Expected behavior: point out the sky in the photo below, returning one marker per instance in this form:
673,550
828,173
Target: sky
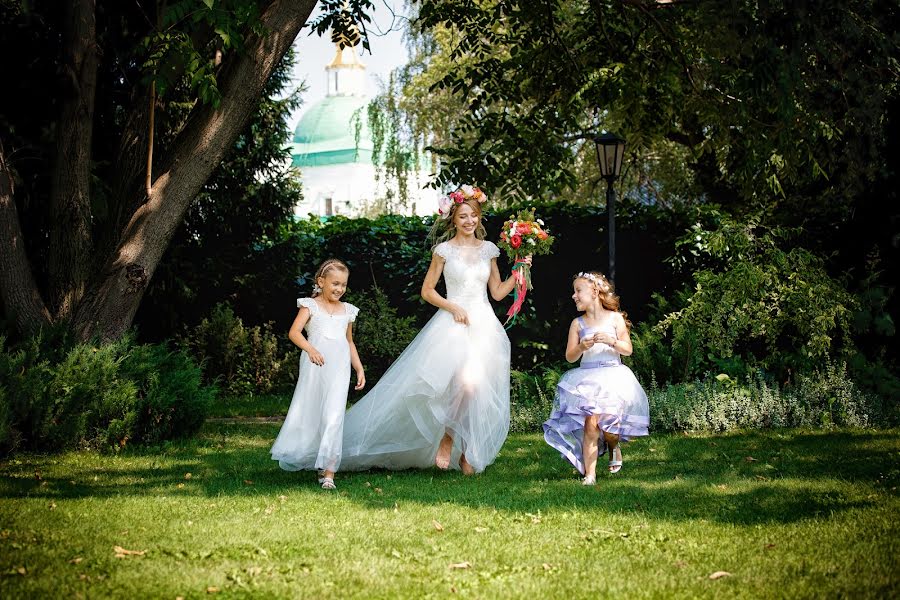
314,52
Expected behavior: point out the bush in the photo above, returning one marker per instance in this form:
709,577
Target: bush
824,398
242,360
531,399
379,333
59,394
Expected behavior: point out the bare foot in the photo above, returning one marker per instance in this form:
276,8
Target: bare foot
442,460
467,469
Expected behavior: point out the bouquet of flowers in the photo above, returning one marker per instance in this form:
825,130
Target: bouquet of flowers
522,236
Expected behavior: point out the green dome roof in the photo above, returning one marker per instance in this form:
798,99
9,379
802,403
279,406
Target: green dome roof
326,135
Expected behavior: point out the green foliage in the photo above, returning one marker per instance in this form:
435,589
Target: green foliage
756,96
379,333
754,305
822,398
226,240
58,394
531,398
242,360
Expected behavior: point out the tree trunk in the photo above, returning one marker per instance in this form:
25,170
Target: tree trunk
21,299
109,305
70,203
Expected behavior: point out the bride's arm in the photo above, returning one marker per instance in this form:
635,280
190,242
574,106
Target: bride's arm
430,295
500,290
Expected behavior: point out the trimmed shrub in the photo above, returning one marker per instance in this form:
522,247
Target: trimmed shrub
58,394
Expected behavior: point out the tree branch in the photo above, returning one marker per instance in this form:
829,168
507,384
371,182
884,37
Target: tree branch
21,298
209,133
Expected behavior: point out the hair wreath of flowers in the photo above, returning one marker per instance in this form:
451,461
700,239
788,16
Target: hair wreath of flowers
465,192
598,281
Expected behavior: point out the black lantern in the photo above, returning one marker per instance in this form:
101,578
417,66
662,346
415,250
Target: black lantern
610,152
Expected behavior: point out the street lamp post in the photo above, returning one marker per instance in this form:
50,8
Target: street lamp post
610,151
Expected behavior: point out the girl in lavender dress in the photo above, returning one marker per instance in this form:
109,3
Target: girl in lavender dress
601,403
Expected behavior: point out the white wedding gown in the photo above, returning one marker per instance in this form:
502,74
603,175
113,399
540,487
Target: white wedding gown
451,377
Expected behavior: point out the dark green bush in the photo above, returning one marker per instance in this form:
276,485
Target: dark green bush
60,394
379,333
242,360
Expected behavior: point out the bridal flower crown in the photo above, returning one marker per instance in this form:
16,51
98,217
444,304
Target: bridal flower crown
465,192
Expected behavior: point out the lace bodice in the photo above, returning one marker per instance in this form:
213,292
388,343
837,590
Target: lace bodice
322,323
466,270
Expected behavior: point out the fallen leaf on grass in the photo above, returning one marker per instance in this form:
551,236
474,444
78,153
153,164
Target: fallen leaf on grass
769,546
463,565
437,525
212,590
122,552
722,486
282,498
254,571
21,571
187,475
76,560
749,459
247,482
547,567
395,553
720,574
680,564
180,486
378,490
52,505
480,529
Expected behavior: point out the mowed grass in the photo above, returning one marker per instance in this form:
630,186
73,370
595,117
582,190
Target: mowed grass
786,514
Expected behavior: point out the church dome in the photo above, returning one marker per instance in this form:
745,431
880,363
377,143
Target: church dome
326,135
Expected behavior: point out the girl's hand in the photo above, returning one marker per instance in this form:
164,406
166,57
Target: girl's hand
605,338
315,357
526,260
587,343
360,380
459,315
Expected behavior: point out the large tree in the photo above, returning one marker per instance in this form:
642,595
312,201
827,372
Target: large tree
123,112
762,101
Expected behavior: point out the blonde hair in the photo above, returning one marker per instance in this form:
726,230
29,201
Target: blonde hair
605,292
443,228
332,264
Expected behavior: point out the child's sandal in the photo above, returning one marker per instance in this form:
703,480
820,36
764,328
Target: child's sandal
328,483
615,465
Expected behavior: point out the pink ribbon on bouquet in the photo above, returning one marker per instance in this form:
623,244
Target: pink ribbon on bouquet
519,291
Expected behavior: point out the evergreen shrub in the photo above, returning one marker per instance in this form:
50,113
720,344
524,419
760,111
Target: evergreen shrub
58,394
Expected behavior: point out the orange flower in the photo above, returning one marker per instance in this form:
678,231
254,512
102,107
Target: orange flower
542,235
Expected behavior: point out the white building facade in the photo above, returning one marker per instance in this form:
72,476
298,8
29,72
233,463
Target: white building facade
339,177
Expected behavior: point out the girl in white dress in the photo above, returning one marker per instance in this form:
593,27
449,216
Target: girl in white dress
600,404
445,400
312,433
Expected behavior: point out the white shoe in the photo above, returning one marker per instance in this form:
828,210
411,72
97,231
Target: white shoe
615,465
591,480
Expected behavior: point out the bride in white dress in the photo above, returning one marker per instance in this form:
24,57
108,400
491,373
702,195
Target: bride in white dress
445,400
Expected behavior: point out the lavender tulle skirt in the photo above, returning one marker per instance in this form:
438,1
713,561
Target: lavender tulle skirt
606,388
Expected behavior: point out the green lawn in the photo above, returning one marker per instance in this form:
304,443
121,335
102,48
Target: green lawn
786,514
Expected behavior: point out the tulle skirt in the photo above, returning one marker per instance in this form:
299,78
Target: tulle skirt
311,435
605,388
451,378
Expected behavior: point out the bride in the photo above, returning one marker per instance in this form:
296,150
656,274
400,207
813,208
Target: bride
445,400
